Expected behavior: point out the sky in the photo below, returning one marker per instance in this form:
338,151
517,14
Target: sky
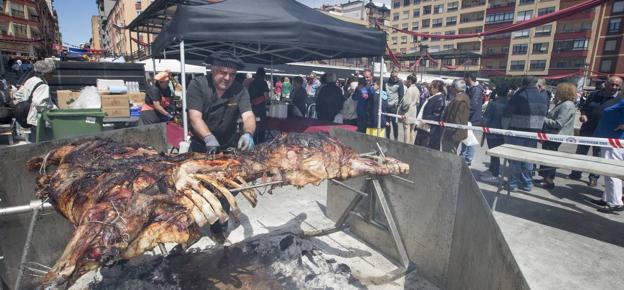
75,17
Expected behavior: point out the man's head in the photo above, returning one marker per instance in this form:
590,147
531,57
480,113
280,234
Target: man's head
311,76
613,85
459,85
330,78
248,76
297,82
529,82
470,78
224,66
162,79
260,73
44,67
541,84
394,75
368,76
411,80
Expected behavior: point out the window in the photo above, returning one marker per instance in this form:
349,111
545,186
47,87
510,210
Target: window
416,2
606,65
20,30
406,2
416,13
505,50
544,11
524,2
434,48
427,10
490,50
403,39
520,49
524,33
517,65
425,23
586,26
395,26
394,40
524,15
437,9
450,32
580,44
537,65
610,45
543,30
540,48
405,15
436,22
453,6
618,6
404,26
614,25
139,12
396,4
450,21
499,18
435,39
395,16
448,47
415,25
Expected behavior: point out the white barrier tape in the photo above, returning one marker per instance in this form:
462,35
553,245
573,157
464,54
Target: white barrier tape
578,140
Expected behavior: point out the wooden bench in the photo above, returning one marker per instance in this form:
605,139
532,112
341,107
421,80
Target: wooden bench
556,159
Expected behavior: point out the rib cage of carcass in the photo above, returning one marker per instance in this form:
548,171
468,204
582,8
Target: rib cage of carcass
126,199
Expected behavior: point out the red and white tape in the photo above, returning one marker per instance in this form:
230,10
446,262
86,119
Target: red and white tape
578,140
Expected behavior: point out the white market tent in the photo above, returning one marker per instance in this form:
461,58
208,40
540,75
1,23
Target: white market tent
173,65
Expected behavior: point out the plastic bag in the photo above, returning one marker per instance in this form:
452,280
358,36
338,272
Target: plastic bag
471,139
89,99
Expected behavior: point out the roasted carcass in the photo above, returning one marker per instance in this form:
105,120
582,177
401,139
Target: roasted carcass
125,199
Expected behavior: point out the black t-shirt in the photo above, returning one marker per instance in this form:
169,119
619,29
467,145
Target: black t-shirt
154,93
220,114
257,88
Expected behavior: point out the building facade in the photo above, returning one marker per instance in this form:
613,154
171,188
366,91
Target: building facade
557,48
609,49
96,36
119,40
104,8
28,28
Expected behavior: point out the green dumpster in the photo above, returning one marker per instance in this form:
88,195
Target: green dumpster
68,123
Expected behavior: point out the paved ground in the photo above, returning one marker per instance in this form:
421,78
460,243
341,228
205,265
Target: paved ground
560,239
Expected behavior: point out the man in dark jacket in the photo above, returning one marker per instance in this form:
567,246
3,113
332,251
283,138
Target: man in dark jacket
329,100
524,112
591,111
394,88
475,91
457,112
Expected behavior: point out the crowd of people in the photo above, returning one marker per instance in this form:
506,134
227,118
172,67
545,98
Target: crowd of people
530,108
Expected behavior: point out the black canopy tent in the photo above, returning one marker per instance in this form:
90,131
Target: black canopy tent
258,31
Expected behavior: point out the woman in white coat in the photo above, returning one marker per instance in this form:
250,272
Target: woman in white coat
409,109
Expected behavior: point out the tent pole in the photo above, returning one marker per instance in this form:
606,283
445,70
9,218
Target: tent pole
381,76
272,86
151,55
183,79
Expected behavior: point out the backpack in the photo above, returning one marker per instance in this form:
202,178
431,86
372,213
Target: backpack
23,108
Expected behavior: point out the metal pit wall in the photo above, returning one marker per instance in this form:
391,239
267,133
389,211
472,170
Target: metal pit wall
51,232
448,229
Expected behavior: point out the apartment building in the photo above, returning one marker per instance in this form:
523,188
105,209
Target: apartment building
609,49
447,17
556,48
104,8
28,28
119,40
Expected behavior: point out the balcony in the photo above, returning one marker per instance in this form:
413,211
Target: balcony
569,53
573,35
472,3
585,15
18,13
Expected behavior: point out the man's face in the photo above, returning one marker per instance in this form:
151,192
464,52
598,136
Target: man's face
223,77
368,76
393,77
613,85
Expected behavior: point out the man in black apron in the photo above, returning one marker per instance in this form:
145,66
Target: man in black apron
215,102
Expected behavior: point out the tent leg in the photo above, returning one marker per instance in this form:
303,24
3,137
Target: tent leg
272,85
381,76
183,79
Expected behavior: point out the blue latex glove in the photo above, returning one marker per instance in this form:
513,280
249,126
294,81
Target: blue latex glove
246,142
211,143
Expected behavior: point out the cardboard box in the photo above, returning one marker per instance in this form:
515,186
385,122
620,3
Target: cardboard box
118,111
115,100
66,97
137,98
